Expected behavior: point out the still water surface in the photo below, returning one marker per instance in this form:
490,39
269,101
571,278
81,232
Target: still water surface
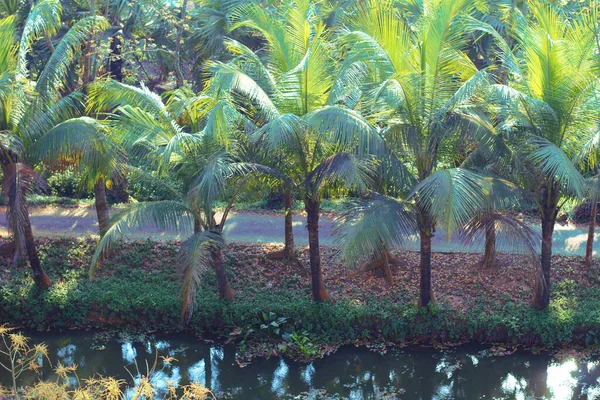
350,373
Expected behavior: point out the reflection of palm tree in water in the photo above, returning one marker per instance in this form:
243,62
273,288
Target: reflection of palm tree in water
587,377
349,373
498,377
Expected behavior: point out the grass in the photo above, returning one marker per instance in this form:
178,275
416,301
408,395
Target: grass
327,205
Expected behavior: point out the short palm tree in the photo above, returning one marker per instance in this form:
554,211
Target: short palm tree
547,116
302,113
418,83
87,143
28,109
175,138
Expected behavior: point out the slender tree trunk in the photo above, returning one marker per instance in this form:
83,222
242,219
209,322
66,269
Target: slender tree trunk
490,253
289,249
39,275
541,297
382,262
589,248
89,49
426,233
197,225
222,281
116,61
18,206
312,218
177,67
101,207
87,67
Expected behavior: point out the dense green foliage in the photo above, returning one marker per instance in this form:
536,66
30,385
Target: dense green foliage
437,114
137,290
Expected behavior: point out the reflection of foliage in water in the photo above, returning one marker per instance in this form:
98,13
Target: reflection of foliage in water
407,373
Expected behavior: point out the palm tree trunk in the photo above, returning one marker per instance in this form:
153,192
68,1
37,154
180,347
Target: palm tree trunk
225,291
426,233
541,297
289,249
39,275
312,207
18,205
381,262
177,67
116,61
197,225
101,207
490,253
87,76
589,248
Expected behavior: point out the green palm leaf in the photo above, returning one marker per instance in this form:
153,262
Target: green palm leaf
555,165
370,227
194,260
53,76
167,215
350,169
452,196
346,128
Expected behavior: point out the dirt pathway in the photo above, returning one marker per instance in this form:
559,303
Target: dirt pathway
259,228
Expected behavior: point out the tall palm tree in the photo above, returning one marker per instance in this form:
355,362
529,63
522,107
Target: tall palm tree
290,92
418,83
547,116
30,108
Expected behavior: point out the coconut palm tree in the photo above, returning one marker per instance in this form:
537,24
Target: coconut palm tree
178,139
290,92
30,108
88,144
418,83
547,116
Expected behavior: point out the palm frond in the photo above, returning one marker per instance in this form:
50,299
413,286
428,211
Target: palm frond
370,227
194,260
108,94
555,165
287,131
52,77
44,17
511,235
212,180
86,140
346,128
452,196
168,215
350,169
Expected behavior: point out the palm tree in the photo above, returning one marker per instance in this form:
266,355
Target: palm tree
420,85
547,116
29,109
178,139
85,142
290,92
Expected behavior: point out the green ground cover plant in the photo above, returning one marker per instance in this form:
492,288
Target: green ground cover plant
137,289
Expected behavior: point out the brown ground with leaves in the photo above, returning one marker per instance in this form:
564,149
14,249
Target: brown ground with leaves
457,277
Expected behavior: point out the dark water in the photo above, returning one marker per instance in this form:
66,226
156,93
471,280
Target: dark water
350,373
